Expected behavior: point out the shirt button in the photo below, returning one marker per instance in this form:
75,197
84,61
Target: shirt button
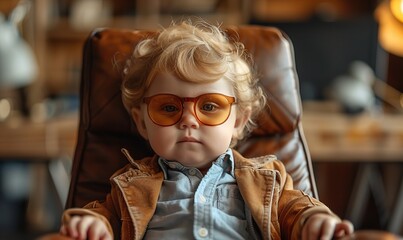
172,165
192,172
202,199
203,232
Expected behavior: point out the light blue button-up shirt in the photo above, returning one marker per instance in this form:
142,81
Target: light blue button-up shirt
193,206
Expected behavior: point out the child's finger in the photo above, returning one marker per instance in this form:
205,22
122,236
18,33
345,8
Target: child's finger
83,226
95,231
344,228
311,229
328,228
98,231
71,226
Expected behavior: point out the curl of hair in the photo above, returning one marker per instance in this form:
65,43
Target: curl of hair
199,53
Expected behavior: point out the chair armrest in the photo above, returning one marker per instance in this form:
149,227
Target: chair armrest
358,235
54,236
371,235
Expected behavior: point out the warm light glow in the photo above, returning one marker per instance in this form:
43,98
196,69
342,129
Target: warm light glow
396,7
390,27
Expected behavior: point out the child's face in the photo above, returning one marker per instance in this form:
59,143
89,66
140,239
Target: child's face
189,141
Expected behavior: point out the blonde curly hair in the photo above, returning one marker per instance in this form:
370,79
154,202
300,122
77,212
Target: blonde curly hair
199,53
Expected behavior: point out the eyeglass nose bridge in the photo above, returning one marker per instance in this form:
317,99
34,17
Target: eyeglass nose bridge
193,108
192,100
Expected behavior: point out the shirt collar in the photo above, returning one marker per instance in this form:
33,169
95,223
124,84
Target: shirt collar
225,161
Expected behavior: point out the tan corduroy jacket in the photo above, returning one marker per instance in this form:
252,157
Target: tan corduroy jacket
278,211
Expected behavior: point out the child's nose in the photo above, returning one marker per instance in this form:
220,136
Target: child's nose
189,119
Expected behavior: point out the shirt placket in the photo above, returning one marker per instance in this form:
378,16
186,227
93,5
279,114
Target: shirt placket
203,223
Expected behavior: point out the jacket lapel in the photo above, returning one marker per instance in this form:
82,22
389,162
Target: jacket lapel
140,189
257,187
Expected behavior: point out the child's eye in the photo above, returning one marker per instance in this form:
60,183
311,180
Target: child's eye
169,108
209,107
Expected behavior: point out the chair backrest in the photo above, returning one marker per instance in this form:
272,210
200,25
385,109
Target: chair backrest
105,126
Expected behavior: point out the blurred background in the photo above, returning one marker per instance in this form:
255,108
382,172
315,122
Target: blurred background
349,57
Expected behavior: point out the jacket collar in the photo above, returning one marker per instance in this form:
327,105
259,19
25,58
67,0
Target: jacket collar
148,164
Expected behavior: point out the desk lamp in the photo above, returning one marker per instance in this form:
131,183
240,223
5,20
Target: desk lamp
18,67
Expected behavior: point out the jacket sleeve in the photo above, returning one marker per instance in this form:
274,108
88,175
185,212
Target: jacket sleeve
107,211
69,213
295,206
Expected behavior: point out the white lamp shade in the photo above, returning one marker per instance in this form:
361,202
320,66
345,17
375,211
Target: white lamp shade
18,65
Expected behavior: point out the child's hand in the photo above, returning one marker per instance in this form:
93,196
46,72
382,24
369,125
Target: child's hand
86,227
323,226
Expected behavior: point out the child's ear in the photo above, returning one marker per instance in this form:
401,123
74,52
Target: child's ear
138,119
241,120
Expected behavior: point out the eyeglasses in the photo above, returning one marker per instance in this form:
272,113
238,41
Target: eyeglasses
211,109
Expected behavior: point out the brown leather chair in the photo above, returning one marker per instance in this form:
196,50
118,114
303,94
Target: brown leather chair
105,126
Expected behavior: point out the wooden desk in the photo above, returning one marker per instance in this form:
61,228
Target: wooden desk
367,139
24,139
43,145
333,136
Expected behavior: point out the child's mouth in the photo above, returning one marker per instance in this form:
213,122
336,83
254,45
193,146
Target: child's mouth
188,140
